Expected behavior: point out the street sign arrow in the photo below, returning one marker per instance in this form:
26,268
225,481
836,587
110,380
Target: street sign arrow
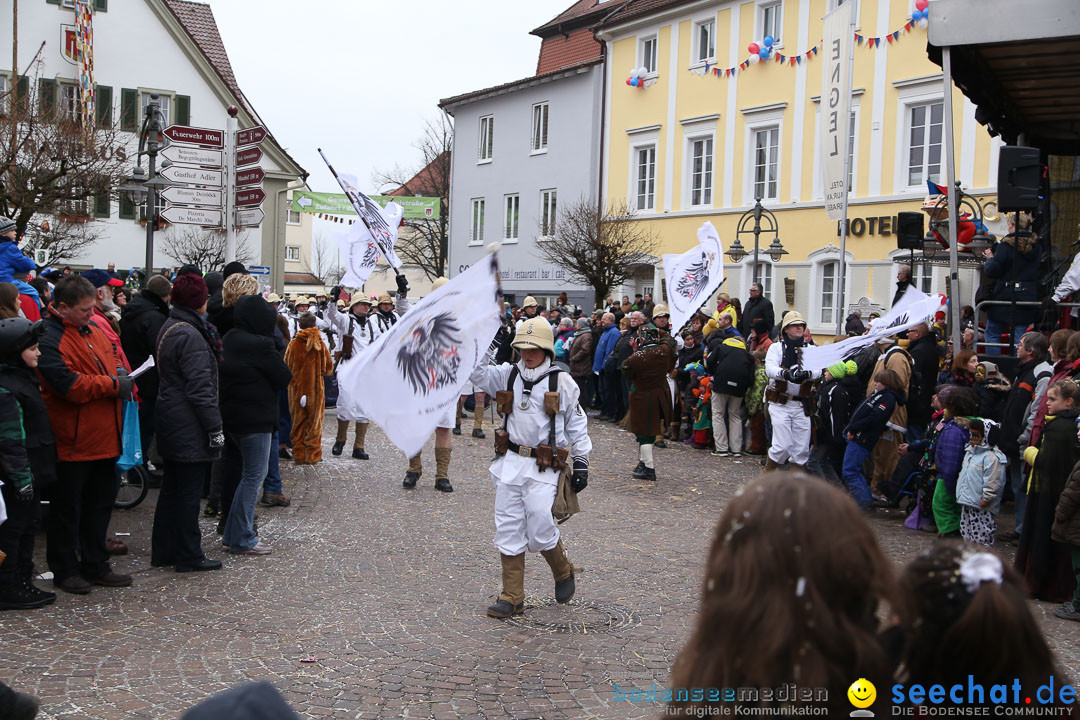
203,137
193,176
250,176
305,202
191,215
187,155
250,196
248,156
192,196
251,136
250,217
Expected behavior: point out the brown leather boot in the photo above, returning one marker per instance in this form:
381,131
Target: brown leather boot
770,465
562,570
512,598
795,467
442,469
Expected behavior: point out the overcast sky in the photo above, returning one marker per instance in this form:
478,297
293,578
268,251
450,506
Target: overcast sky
359,78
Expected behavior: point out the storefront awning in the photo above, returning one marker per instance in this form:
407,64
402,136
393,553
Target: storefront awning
1019,63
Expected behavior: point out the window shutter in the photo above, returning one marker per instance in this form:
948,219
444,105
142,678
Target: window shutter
183,109
47,95
101,5
129,110
126,210
102,207
103,105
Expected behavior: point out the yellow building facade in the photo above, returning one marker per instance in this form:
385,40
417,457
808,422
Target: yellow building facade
699,142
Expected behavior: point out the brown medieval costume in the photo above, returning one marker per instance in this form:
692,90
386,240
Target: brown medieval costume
650,396
309,360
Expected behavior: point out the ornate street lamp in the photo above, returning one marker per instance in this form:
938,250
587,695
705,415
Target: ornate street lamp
757,214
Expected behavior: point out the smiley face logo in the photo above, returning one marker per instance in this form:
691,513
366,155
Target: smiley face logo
862,693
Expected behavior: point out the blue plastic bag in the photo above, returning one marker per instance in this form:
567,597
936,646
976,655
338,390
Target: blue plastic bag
131,454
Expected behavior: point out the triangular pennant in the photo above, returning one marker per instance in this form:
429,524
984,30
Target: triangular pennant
896,35
814,50
907,26
889,38
791,60
798,59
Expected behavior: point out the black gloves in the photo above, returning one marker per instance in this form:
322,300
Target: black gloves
217,440
796,375
25,493
335,293
125,384
501,337
579,479
402,284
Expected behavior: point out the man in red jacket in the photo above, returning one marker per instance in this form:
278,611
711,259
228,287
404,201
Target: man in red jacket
84,382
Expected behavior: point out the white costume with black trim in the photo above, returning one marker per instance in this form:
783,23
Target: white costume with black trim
790,423
364,334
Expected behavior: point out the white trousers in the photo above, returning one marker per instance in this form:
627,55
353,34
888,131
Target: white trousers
727,433
790,433
523,517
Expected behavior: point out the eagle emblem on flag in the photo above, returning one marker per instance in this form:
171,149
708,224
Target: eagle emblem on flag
694,279
430,357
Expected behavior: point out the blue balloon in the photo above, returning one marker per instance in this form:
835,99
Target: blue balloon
764,53
634,81
916,15
768,41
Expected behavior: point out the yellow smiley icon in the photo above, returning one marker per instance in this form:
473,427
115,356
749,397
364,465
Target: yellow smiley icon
862,693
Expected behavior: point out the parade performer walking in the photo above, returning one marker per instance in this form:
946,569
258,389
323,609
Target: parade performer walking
389,311
357,331
543,427
790,395
647,370
309,361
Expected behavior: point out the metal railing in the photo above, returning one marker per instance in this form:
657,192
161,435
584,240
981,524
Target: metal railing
1018,303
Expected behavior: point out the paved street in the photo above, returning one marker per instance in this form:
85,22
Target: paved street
386,590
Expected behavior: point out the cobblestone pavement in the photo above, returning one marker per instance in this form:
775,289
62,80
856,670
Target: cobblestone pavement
386,588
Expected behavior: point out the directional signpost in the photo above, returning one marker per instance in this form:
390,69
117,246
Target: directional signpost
194,176
248,156
193,156
201,137
249,196
250,176
251,136
249,217
192,196
192,215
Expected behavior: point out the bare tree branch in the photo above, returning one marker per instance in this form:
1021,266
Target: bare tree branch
601,252
64,241
324,261
424,243
205,249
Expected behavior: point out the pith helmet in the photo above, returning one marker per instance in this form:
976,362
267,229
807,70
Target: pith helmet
792,318
273,298
530,301
360,298
439,282
303,300
661,311
535,333
384,298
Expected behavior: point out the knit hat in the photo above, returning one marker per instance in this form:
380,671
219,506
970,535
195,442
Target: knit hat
233,268
6,224
843,369
189,291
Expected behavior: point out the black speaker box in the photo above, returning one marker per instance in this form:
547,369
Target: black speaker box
909,230
1019,174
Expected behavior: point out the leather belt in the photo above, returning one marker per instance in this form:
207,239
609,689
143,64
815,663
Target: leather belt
525,452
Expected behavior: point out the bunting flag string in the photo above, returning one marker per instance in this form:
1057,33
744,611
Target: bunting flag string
872,43
333,218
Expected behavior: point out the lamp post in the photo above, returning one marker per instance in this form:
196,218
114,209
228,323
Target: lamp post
146,185
775,250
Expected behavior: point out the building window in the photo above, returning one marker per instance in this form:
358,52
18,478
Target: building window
292,253
767,163
771,20
851,154
828,272
924,143
705,39
647,54
511,218
540,127
294,217
548,210
164,102
476,230
701,171
70,101
646,178
764,275
923,277
487,138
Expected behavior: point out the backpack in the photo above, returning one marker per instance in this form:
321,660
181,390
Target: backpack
915,377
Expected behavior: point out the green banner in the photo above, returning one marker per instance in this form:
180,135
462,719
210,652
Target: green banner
416,208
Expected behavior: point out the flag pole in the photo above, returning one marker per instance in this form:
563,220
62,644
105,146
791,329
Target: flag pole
841,278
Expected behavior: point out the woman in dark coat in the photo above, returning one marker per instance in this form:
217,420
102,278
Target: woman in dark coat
650,397
1013,264
188,426
252,375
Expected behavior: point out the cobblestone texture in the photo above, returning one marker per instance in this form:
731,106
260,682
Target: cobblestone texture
387,588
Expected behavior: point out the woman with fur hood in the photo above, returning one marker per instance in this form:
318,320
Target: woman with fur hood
309,360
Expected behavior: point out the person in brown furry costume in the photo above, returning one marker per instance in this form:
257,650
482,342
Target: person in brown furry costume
309,360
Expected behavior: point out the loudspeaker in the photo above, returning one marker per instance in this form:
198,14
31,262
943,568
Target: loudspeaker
1019,175
909,230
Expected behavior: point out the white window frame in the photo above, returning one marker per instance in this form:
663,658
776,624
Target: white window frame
691,139
643,59
476,220
819,193
746,275
700,58
833,4
920,272
759,21
511,217
633,194
549,209
299,218
485,142
928,108
541,117
292,253
751,161
916,91
72,108
818,259
165,102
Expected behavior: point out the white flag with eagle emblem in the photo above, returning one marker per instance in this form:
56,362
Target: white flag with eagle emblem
412,375
693,276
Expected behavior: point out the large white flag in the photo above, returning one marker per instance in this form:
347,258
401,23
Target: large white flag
693,276
382,222
359,253
836,41
412,376
913,308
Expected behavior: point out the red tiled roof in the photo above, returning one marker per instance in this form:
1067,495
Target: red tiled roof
559,51
198,21
511,85
302,279
426,182
638,8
